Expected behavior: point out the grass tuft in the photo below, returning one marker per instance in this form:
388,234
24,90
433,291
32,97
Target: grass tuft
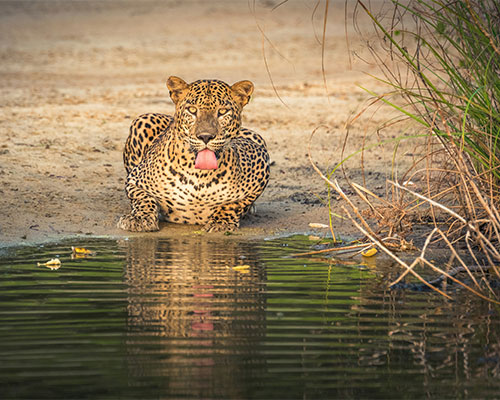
441,63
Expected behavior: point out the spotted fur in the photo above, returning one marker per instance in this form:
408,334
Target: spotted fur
160,152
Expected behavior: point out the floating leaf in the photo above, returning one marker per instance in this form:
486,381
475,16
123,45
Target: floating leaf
81,250
53,264
370,252
244,269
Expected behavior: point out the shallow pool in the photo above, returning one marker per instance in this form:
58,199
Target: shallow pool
202,318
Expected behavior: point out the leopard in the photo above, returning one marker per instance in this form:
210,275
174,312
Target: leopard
198,166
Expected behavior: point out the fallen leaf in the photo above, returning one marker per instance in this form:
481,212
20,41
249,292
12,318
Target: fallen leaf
317,225
370,252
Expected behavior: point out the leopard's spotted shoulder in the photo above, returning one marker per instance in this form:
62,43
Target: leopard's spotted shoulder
144,130
254,137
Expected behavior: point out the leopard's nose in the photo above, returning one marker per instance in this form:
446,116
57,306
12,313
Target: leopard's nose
206,137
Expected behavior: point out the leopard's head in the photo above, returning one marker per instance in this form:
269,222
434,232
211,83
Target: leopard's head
208,114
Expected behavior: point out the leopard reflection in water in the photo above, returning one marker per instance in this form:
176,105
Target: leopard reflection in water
191,315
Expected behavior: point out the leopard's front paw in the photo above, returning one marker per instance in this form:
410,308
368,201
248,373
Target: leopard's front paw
134,223
221,226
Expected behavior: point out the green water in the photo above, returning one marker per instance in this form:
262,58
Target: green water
157,318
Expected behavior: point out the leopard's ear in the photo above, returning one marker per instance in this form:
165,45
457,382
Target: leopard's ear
242,91
178,88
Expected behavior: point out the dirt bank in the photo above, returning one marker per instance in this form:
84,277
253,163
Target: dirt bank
74,75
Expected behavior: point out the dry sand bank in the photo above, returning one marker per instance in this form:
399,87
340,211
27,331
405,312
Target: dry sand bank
75,74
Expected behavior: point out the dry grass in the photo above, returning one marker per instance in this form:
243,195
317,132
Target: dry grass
385,224
440,63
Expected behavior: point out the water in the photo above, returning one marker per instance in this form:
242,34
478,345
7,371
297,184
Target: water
152,318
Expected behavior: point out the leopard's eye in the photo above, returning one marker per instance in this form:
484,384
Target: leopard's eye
192,110
222,111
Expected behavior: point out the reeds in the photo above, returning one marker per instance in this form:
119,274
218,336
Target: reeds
441,63
446,65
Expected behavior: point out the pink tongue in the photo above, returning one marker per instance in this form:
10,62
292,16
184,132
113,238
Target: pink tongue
206,159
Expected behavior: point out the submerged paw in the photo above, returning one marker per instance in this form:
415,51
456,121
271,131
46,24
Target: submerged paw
134,223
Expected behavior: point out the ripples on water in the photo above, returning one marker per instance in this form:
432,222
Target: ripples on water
158,318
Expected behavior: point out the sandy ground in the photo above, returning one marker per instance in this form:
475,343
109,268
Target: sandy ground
74,74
